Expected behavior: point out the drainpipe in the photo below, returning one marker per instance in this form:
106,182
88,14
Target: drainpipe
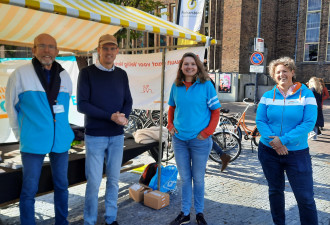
297,30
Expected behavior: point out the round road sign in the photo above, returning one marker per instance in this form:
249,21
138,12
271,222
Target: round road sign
257,58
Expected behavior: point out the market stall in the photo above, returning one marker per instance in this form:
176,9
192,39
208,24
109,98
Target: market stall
77,25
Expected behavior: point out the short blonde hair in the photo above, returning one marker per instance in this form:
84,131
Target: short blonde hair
285,61
315,83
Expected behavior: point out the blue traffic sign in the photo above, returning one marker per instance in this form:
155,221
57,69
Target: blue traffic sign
257,58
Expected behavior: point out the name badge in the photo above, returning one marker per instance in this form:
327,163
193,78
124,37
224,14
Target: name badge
58,108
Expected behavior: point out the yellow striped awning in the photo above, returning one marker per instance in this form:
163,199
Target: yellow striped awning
77,24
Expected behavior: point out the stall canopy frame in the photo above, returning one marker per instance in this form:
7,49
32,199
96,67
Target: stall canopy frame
77,24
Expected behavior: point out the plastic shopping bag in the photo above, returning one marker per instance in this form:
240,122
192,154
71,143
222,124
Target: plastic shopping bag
168,179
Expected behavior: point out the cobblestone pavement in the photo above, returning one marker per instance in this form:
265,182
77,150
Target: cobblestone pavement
237,196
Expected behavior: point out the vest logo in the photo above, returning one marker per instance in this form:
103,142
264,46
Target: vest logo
293,102
192,4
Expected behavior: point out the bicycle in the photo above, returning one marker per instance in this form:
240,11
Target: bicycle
139,119
227,141
250,134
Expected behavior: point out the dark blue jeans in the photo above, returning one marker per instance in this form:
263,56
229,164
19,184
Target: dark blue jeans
32,164
298,168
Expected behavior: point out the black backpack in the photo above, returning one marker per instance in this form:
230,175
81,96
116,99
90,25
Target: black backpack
148,173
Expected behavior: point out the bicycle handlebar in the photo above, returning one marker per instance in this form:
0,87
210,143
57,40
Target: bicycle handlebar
248,100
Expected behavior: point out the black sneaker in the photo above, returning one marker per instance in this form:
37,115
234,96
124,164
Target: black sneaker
200,219
113,223
181,219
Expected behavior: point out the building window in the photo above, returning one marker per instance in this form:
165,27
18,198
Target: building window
206,11
163,13
206,17
312,30
173,13
328,48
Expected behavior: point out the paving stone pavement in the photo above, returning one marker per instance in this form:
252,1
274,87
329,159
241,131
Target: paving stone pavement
237,196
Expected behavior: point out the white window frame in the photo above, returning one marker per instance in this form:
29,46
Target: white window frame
173,12
313,43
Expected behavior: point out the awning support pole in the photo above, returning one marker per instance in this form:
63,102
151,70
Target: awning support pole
160,148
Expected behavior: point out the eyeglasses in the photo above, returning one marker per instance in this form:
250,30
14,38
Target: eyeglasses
106,49
43,46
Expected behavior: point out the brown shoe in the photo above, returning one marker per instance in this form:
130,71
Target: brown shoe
225,159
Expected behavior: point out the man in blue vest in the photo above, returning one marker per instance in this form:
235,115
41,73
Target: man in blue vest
37,102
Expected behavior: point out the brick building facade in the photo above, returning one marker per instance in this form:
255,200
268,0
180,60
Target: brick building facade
283,27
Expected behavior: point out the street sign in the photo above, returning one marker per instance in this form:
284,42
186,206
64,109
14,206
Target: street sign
259,45
257,58
256,69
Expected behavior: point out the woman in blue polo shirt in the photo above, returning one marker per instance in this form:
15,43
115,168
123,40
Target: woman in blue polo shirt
193,116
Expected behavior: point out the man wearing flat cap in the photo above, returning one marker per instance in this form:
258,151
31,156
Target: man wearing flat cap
103,95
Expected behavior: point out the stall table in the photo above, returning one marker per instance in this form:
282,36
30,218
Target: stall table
11,179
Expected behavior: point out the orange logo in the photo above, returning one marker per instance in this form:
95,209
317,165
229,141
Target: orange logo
3,113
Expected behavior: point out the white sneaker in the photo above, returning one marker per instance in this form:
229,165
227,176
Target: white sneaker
311,135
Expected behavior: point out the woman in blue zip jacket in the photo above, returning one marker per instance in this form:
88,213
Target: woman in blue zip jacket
285,116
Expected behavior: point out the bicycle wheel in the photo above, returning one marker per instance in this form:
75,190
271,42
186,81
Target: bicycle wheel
229,143
168,154
256,137
134,123
155,118
229,124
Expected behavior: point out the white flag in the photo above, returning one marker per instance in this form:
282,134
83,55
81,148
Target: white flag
191,13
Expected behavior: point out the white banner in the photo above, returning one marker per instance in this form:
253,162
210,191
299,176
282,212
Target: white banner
191,13
144,73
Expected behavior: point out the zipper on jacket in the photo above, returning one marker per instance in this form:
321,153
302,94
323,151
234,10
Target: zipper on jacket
282,116
54,122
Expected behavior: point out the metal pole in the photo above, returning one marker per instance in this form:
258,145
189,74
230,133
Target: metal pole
160,147
258,35
128,38
215,35
259,17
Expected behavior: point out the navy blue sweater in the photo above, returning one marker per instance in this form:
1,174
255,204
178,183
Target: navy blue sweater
99,95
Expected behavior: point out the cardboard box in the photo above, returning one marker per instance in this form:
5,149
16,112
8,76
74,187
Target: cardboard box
156,199
137,191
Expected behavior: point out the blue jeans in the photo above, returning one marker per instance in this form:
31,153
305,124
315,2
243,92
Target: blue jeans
32,164
98,151
191,157
298,168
